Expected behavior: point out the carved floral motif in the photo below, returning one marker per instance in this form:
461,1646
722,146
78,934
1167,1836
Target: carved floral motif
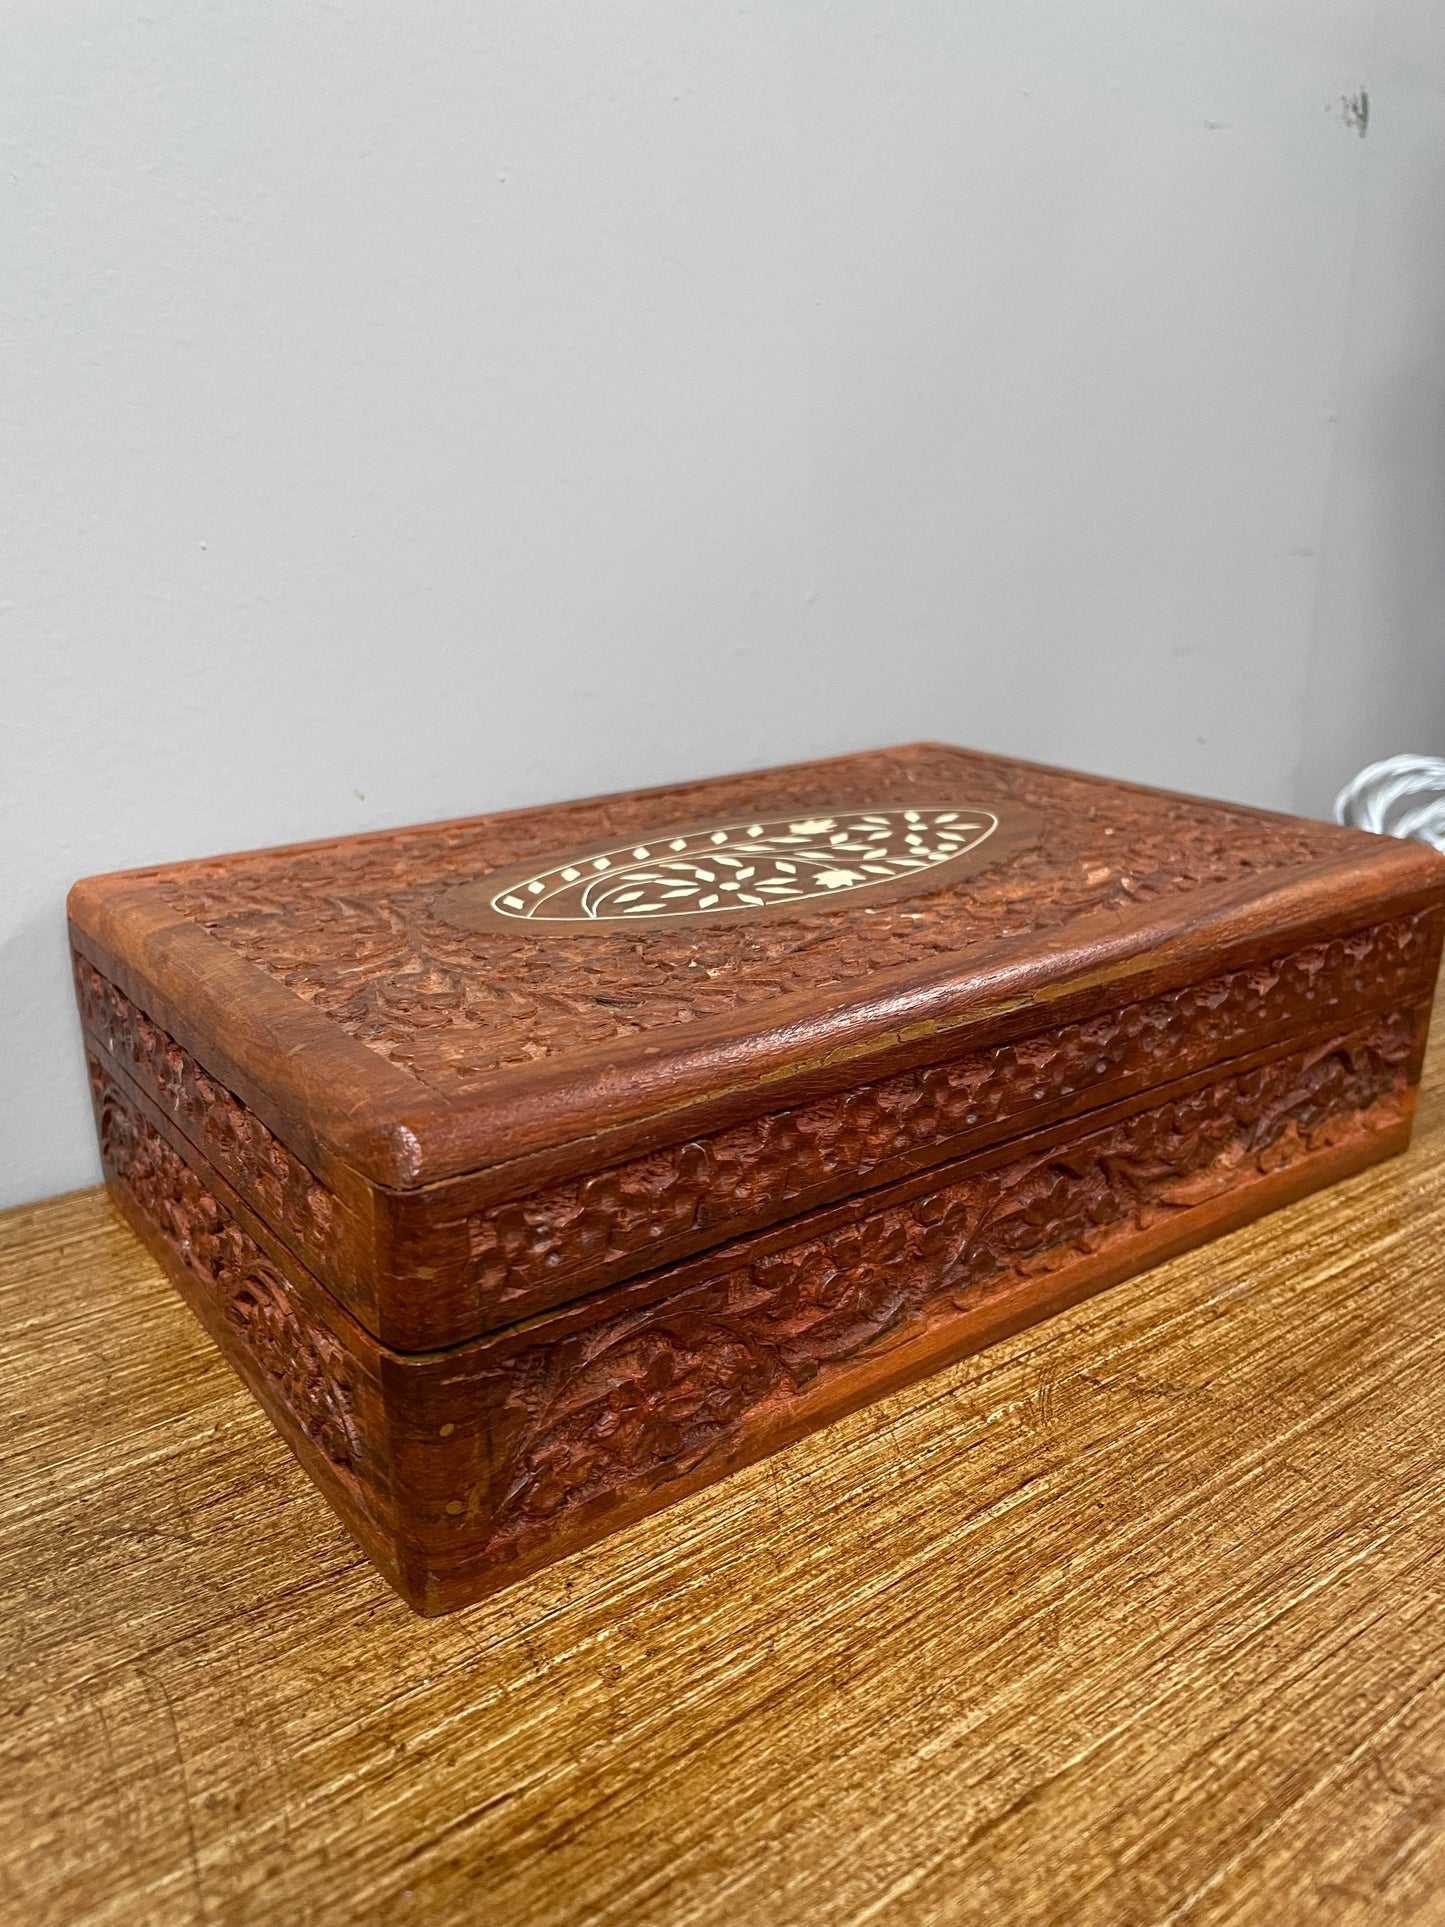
272,1180
305,1365
644,1395
602,1226
352,926
758,1171
640,1396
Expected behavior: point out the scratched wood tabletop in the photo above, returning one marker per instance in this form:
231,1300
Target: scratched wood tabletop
1135,1618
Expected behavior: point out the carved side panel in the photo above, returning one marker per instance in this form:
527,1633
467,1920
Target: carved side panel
621,1405
600,1414
277,1185
567,1239
304,1365
587,1230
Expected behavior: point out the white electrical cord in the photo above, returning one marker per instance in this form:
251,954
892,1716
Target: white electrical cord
1403,796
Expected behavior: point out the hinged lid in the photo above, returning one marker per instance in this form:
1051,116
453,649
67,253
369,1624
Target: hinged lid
531,994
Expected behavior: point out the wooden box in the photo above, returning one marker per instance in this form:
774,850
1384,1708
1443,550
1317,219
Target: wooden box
538,1168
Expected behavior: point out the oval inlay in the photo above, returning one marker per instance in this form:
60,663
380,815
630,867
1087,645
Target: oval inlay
748,865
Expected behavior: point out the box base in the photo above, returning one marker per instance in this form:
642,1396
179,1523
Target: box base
387,1486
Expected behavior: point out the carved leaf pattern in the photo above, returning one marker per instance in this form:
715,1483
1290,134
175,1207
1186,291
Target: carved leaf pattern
272,1179
349,926
755,1172
307,1367
644,1395
606,1225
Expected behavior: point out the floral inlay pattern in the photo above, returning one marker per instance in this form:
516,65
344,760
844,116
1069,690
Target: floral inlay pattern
723,867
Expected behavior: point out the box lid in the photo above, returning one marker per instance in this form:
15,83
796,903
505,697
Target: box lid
527,990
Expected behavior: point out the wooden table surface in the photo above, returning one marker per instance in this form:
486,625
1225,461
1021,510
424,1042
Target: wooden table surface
1135,1618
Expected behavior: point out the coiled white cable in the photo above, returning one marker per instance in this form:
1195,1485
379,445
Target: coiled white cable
1403,796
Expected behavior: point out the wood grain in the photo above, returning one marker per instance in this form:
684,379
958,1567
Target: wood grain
424,1269
317,984
1133,1618
461,1470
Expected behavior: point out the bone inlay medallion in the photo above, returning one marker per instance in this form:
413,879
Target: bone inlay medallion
742,868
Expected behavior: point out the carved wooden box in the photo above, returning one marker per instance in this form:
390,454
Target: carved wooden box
538,1168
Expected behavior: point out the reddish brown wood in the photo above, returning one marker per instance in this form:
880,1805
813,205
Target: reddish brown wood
425,1267
519,1233
460,1470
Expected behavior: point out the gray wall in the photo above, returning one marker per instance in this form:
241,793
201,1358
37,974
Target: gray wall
1377,667
409,412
